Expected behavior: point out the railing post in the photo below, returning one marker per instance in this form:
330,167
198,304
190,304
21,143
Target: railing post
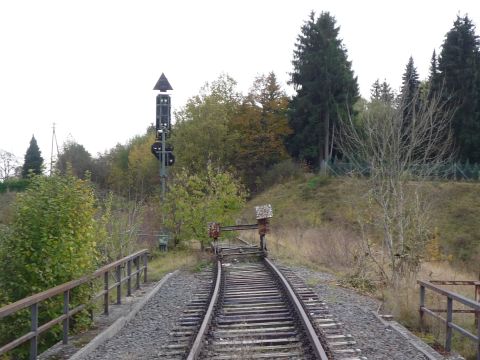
478,340
449,329
66,322
129,277
137,264
422,305
119,286
106,299
33,328
477,299
145,264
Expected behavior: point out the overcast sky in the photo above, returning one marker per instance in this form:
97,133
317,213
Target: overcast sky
90,66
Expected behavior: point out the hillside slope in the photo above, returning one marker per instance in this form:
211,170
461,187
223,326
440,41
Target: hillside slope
319,214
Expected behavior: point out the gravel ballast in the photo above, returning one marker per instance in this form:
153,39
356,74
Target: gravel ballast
144,335
357,314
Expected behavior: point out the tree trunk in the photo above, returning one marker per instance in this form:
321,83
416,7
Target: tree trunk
326,148
320,148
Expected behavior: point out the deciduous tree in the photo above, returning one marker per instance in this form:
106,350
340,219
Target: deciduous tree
400,153
75,157
262,124
202,133
194,199
8,164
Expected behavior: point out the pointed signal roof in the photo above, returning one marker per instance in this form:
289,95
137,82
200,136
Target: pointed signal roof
163,84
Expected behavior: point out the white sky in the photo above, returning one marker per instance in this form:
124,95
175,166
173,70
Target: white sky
90,66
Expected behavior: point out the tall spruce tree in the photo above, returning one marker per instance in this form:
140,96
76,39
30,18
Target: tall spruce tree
410,87
433,66
459,75
33,159
434,85
326,88
386,93
375,91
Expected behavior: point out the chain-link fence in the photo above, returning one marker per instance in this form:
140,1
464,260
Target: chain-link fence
453,171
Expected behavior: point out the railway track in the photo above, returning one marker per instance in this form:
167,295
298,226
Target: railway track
255,311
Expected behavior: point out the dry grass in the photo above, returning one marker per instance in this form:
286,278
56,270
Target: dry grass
335,202
162,263
314,225
403,303
326,248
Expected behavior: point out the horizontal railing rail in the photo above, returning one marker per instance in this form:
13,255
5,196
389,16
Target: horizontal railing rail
473,305
138,259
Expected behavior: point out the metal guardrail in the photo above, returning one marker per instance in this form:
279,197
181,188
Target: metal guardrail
33,301
451,297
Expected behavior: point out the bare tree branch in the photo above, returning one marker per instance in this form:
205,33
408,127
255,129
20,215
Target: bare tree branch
8,164
402,147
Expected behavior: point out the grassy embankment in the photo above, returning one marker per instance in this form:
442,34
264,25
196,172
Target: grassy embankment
315,225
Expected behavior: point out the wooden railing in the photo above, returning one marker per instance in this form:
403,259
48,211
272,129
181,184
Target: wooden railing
139,261
472,305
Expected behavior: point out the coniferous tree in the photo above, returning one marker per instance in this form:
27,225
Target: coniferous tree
326,88
386,93
434,81
459,75
376,91
410,82
33,159
433,65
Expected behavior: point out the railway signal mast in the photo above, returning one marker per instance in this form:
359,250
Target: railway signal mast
163,151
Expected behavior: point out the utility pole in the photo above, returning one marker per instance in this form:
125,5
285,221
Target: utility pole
54,137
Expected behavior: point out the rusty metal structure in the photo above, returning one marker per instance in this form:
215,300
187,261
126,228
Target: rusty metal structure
262,213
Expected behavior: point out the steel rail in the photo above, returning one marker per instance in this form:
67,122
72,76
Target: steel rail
197,344
307,325
244,242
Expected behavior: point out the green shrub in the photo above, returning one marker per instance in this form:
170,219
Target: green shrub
196,199
14,185
51,241
358,282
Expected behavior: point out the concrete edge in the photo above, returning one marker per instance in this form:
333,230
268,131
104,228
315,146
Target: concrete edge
113,329
412,339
